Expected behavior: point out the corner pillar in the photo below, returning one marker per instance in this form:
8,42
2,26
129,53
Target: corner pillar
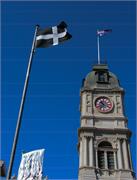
119,154
85,151
131,166
80,153
91,152
125,154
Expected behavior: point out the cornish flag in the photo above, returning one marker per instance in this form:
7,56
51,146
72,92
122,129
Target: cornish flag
52,36
103,32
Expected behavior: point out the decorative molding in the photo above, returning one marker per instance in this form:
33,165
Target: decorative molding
103,90
104,118
106,130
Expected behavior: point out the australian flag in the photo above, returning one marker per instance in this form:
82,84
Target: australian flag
103,32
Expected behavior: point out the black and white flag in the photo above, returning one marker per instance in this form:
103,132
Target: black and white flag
52,36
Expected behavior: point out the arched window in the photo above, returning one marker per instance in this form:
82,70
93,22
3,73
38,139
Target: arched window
105,155
102,77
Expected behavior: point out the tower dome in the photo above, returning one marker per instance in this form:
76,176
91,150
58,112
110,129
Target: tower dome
100,77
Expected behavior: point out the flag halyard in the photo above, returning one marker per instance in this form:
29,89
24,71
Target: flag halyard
52,36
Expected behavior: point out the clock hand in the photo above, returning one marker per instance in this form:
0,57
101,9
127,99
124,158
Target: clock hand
102,103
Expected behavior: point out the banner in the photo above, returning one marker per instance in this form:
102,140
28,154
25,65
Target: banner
31,165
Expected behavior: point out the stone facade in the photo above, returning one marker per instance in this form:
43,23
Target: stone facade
104,139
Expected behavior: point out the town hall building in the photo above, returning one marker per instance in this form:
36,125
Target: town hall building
103,136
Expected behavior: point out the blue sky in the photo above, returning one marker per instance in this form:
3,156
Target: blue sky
51,115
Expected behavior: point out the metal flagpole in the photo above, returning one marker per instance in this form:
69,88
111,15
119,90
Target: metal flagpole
21,106
98,49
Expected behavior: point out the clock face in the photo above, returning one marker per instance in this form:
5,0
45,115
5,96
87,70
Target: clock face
103,104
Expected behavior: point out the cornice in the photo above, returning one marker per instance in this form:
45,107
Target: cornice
106,130
109,90
104,118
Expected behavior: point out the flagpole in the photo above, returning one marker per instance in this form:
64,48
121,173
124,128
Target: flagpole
98,44
18,125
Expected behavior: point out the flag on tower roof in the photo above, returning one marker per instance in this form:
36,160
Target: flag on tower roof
103,32
52,36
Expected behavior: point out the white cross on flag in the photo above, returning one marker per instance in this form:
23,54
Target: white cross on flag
52,36
31,165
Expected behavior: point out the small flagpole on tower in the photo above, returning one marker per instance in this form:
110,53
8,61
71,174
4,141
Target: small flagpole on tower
98,45
21,107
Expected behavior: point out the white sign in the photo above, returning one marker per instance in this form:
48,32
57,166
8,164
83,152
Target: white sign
31,165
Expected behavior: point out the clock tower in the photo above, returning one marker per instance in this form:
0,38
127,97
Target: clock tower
104,138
